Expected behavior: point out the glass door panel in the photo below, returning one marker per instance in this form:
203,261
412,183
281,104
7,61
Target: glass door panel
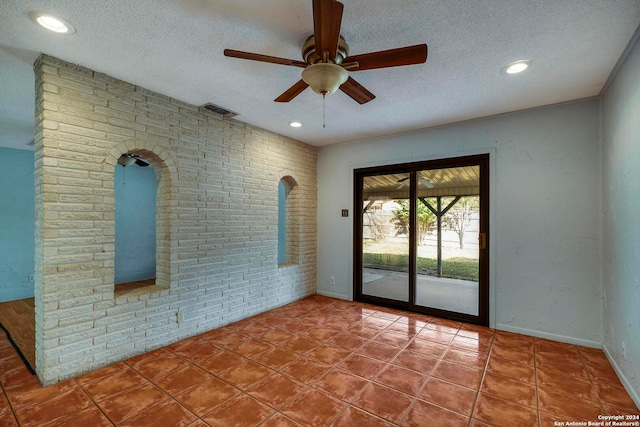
420,237
448,250
385,236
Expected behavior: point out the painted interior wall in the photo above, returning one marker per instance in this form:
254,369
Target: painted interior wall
621,224
17,197
545,234
135,193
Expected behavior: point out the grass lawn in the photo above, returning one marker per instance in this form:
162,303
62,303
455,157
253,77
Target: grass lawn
454,268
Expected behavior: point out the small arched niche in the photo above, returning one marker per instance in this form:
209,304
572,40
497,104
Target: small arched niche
288,221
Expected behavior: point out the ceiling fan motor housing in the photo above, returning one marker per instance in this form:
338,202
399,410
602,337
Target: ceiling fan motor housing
310,55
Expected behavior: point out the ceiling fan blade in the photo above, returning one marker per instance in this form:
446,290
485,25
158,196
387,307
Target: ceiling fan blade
292,92
327,19
408,55
263,58
356,91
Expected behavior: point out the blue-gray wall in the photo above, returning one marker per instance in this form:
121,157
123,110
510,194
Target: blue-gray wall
544,235
620,110
135,192
17,198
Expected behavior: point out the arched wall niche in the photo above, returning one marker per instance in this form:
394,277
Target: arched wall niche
288,221
165,171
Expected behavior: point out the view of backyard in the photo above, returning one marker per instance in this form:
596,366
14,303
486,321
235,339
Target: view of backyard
385,243
432,214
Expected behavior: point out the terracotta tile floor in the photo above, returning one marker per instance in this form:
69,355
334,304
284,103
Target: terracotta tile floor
320,362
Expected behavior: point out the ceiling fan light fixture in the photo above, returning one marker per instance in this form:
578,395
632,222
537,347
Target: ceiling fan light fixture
324,78
516,67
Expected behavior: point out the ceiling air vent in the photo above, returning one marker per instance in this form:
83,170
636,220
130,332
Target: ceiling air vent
219,110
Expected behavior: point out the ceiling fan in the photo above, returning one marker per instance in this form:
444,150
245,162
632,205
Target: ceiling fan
129,159
421,180
326,58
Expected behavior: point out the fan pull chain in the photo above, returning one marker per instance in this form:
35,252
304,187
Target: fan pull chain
324,110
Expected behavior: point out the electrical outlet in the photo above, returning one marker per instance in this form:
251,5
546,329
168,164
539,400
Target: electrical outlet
30,278
333,280
624,351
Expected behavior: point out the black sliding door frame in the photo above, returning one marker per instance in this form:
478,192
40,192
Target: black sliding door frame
481,160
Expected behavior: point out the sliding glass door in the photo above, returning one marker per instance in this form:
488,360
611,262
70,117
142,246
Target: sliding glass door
421,237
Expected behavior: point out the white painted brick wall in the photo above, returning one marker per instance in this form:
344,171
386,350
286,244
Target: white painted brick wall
217,210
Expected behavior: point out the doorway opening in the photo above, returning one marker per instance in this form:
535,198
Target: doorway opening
420,237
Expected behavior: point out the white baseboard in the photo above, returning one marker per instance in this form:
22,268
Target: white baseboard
549,336
333,295
623,379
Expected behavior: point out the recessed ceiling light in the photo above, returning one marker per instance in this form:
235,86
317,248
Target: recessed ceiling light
52,23
517,67
295,124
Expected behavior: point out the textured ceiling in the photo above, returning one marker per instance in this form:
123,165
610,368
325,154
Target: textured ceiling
175,47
